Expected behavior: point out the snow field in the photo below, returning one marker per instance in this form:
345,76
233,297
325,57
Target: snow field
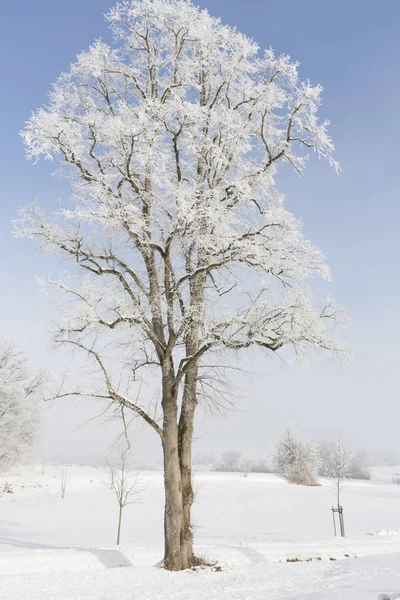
65,548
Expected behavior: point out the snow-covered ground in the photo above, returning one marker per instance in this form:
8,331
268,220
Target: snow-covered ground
63,549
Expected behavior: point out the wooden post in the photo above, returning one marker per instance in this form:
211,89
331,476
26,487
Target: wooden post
339,511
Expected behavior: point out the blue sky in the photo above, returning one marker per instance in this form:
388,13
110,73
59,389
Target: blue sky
353,49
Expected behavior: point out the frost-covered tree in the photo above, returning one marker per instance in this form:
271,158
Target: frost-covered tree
325,449
207,459
388,459
303,470
297,459
360,465
230,462
19,408
260,466
338,469
178,238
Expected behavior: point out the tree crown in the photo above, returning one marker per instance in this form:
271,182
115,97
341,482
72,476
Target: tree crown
170,141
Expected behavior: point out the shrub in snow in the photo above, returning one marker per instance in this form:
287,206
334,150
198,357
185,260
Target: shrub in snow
19,408
297,460
6,489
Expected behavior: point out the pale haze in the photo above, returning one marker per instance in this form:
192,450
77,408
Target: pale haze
353,217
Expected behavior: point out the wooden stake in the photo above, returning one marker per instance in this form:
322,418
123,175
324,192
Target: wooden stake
334,520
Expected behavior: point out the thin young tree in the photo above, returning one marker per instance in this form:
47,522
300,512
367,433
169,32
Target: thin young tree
20,415
178,238
338,469
246,466
64,479
124,484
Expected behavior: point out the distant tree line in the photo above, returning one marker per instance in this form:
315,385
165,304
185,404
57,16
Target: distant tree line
301,461
232,461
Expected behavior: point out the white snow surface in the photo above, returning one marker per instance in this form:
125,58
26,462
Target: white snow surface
63,549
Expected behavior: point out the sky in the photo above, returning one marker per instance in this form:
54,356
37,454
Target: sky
353,49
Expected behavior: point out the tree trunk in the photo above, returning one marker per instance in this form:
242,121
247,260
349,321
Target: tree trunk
186,424
177,446
173,512
185,459
177,449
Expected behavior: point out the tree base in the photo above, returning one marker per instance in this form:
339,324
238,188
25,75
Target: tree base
197,562
201,561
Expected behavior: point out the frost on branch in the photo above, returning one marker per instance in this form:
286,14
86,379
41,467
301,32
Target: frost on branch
19,409
178,239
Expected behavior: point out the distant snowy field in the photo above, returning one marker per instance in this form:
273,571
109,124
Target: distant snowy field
63,549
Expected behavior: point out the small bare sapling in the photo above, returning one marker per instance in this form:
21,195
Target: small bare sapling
64,478
246,467
339,472
124,483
